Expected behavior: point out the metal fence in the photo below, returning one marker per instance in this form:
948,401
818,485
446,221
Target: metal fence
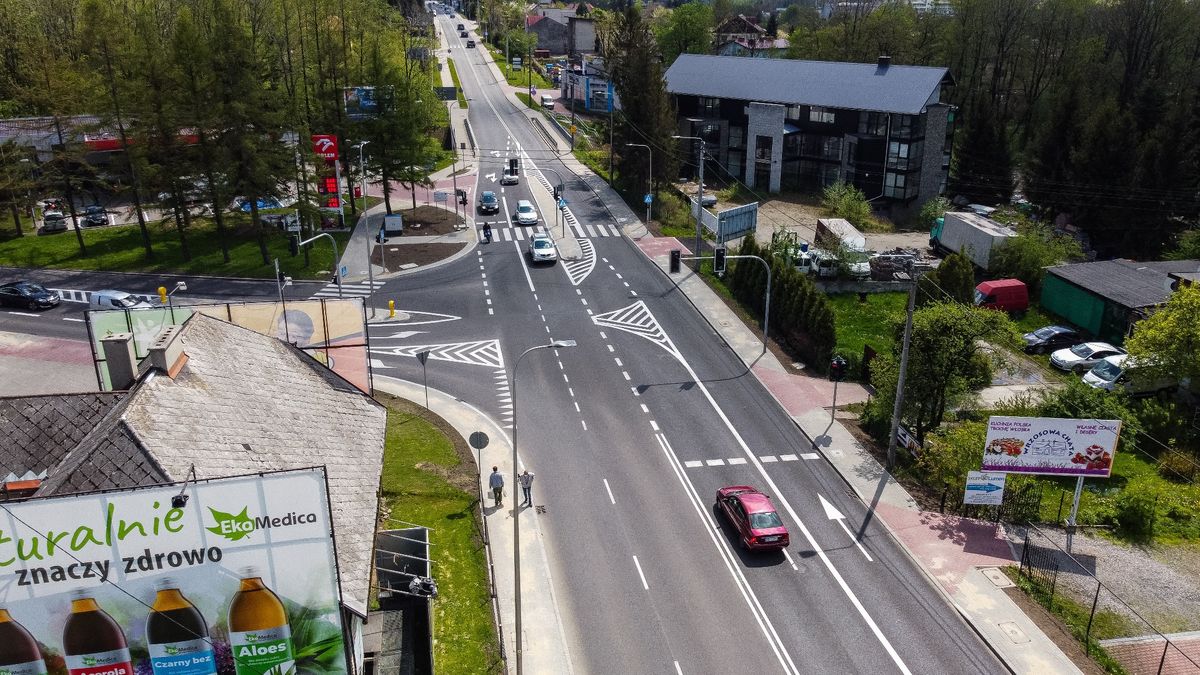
1059,576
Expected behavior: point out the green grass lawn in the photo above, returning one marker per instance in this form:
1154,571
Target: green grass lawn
119,249
462,100
526,99
519,78
429,481
869,323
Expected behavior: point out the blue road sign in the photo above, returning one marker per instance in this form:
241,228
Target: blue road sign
984,488
648,198
562,203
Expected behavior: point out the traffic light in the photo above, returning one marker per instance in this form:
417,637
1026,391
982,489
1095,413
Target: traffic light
675,264
719,260
557,192
837,369
294,245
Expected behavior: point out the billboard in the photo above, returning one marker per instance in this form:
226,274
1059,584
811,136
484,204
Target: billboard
360,102
240,579
737,222
1051,445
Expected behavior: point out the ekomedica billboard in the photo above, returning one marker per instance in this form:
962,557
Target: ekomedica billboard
241,580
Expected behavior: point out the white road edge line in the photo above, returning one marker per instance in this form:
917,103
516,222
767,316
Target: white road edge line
678,670
611,499
638,565
789,559
862,611
722,546
71,318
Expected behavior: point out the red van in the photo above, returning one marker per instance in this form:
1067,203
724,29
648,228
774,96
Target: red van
1009,295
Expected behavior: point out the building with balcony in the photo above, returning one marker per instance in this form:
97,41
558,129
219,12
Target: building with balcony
778,124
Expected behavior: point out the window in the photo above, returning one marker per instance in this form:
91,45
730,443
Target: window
733,164
763,147
710,107
893,185
793,112
872,123
711,133
737,136
831,148
821,115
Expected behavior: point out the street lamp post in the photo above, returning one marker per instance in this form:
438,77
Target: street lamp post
362,168
699,196
554,344
557,210
650,181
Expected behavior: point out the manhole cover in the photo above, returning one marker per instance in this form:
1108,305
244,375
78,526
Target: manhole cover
1014,633
724,323
997,577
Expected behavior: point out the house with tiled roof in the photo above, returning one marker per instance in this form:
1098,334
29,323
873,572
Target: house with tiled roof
220,400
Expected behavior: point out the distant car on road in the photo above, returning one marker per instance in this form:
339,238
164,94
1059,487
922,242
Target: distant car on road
1050,338
95,216
110,299
509,178
470,44
1083,356
541,249
462,33
752,513
28,295
488,203
526,214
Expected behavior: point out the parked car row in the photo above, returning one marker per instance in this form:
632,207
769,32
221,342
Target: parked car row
1103,366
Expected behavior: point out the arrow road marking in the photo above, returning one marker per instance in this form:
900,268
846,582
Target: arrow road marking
832,513
401,335
491,177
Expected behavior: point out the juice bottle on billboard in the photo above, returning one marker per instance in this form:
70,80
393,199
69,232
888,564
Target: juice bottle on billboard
19,653
177,635
93,643
259,634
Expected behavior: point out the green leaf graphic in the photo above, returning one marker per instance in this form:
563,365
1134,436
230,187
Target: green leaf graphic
230,526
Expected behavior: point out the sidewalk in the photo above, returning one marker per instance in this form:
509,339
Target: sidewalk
545,643
959,555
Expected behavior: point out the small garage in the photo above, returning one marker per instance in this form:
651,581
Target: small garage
1105,298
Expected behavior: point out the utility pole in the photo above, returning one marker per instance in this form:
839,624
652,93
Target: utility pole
650,182
912,301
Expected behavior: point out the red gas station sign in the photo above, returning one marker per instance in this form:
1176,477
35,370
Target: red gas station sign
325,146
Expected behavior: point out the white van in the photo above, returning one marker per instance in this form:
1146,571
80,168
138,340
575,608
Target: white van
110,299
1117,371
548,101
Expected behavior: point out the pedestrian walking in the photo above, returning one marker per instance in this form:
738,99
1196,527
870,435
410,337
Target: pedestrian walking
496,482
526,480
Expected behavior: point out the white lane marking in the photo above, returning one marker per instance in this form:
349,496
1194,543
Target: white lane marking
611,499
566,379
812,542
678,670
714,462
69,318
789,559
635,391
788,458
809,455
736,460
577,407
832,513
693,464
654,425
722,545
23,314
645,409
578,291
584,424
603,336
768,458
645,586
627,378
610,348
619,364
571,392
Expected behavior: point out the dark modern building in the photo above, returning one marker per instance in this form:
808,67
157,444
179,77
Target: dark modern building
780,124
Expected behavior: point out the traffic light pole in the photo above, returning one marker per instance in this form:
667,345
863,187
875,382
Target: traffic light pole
557,193
766,301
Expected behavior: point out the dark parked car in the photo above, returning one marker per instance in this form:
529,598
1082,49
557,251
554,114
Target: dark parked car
470,44
752,513
28,295
462,33
96,216
488,203
1050,338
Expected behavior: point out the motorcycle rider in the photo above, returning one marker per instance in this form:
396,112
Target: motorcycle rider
487,232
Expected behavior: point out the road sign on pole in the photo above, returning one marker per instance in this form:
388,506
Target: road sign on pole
648,199
984,488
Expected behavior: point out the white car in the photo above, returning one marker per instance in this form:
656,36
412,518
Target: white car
526,214
541,249
1083,356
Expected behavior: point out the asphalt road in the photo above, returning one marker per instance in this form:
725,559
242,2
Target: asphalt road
625,432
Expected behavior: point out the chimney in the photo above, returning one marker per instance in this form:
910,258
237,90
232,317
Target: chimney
120,360
166,352
884,62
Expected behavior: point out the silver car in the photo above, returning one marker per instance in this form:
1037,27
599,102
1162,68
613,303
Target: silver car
526,214
1081,357
541,249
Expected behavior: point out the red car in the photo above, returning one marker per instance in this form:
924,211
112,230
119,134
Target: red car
752,513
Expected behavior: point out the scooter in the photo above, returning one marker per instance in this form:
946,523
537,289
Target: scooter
487,233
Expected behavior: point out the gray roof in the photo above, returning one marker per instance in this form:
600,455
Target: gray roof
1126,282
39,431
855,86
242,403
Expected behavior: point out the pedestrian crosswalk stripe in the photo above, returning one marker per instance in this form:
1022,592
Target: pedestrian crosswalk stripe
502,231
352,290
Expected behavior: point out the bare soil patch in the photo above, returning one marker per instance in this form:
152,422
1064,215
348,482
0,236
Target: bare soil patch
400,256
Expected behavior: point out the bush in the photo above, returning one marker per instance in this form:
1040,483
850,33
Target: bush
671,211
843,200
1135,508
1178,466
931,211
